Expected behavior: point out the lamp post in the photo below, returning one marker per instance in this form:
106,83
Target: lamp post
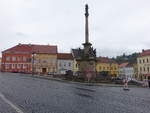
33,54
110,64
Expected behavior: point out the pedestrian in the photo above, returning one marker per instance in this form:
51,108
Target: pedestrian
145,83
125,81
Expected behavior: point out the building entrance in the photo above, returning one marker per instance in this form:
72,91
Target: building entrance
44,70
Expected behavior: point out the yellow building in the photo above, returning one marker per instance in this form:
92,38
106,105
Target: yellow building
135,68
45,63
143,63
107,66
44,59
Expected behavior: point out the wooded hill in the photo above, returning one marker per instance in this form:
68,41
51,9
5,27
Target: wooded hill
126,58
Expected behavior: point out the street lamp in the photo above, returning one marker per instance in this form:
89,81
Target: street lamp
110,64
33,58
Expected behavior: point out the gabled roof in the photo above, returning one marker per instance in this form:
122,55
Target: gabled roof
145,53
65,56
126,64
32,48
77,53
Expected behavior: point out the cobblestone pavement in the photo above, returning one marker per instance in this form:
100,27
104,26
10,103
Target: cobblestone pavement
34,95
5,108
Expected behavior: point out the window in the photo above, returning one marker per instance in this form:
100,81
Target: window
7,66
19,58
60,64
10,66
53,62
24,66
139,61
147,69
44,61
24,58
21,66
140,68
147,60
18,66
53,69
14,58
69,64
76,65
8,58
144,69
143,61
65,64
29,59
99,68
13,66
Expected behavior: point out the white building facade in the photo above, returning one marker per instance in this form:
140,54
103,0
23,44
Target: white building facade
65,63
126,70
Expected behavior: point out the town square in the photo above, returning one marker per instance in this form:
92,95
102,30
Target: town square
74,57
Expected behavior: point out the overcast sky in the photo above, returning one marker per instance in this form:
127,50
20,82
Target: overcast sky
116,26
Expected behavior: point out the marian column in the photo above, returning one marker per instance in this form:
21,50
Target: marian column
86,57
87,44
86,24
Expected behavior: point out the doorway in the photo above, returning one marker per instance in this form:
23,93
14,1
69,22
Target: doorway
44,70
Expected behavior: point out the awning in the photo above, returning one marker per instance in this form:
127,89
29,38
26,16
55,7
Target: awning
147,74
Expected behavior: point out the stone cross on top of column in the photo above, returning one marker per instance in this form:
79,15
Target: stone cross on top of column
86,10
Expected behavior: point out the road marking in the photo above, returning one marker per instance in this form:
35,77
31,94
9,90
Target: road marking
10,103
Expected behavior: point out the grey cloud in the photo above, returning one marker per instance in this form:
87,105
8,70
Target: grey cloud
116,26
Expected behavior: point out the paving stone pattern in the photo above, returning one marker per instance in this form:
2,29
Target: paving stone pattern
35,95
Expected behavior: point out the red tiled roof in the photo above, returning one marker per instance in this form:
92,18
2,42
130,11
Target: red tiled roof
124,64
30,48
105,60
145,53
65,56
45,49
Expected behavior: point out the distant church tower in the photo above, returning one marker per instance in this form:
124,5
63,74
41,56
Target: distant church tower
86,57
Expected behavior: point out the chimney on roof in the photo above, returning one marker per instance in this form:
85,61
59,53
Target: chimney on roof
142,50
19,44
